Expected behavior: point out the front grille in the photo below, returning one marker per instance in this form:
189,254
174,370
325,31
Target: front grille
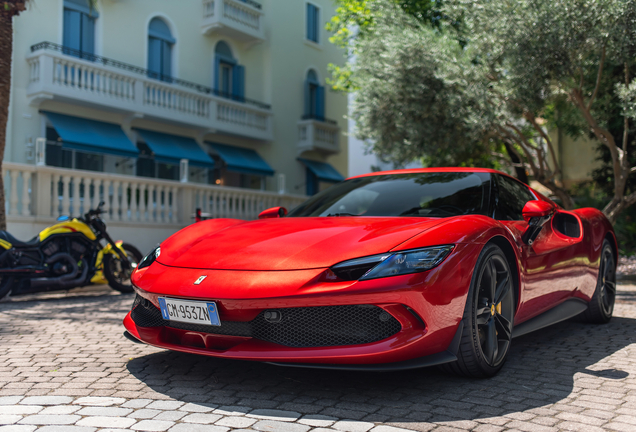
303,327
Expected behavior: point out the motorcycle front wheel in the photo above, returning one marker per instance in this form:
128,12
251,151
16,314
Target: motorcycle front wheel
117,273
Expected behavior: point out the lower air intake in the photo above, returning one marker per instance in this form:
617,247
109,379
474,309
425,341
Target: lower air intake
303,327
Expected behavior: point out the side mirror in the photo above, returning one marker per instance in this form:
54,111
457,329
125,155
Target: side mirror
274,212
536,213
536,209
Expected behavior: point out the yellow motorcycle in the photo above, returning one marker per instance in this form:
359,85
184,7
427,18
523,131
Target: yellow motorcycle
72,253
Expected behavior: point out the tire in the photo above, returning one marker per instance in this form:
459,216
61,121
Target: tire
601,306
488,318
118,277
6,284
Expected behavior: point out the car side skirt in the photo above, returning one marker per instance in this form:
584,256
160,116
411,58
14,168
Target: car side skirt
566,310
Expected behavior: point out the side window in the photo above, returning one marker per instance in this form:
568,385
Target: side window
160,43
511,197
229,76
314,98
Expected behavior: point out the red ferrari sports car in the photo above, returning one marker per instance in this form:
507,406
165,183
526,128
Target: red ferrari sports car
390,270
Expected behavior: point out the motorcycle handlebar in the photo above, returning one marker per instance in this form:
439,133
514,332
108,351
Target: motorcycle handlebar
96,212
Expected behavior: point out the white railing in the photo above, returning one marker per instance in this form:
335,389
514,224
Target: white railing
47,192
59,76
234,18
318,135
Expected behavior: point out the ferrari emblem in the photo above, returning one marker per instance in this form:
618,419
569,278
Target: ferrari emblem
492,309
201,279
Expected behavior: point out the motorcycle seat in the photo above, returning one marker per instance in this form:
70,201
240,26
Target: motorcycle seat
5,235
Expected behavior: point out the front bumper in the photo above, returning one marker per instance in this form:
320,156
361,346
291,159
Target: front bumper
428,306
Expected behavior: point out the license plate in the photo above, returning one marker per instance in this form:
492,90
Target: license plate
189,311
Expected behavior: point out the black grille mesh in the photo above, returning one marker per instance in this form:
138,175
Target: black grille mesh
298,327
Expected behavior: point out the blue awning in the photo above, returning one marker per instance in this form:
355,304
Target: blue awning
92,135
242,160
171,149
323,171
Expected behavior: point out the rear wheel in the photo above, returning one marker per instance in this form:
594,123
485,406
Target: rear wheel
601,306
488,318
117,272
6,284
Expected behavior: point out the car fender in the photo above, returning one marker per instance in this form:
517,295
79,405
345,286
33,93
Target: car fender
474,230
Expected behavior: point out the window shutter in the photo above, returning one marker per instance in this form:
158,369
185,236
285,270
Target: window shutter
238,82
217,74
310,21
88,35
154,57
316,24
166,61
307,98
72,29
320,102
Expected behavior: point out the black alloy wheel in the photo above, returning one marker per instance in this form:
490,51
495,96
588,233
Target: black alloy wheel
117,272
601,307
494,310
488,317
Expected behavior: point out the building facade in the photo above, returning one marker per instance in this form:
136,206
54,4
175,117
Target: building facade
158,107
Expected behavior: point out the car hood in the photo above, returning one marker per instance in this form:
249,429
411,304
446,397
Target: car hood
287,243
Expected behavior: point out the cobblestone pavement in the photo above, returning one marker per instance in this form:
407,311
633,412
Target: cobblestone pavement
65,366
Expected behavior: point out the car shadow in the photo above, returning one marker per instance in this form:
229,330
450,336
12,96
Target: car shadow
540,371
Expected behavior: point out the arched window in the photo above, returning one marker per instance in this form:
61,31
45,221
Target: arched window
79,28
229,76
314,97
160,42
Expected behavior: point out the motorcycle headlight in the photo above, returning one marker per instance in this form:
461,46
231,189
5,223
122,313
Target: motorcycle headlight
150,258
392,264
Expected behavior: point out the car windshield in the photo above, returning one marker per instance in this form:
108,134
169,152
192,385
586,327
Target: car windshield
427,194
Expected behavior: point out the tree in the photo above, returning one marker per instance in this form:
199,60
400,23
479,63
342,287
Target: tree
498,74
8,9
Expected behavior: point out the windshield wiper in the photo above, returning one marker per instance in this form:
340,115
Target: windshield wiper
340,214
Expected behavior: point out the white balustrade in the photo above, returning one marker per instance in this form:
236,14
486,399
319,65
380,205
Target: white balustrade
54,74
241,13
318,135
46,192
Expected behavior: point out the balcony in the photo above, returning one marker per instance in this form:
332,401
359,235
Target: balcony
321,135
109,84
238,19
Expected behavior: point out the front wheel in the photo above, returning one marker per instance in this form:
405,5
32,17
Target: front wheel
488,317
117,272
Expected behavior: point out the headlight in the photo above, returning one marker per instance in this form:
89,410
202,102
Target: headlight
150,258
392,264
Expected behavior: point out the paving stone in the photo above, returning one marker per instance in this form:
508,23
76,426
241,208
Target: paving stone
39,419
66,429
20,409
198,408
165,405
384,428
186,427
10,400
152,425
352,426
278,426
99,401
8,419
46,400
317,420
232,410
17,428
236,422
104,411
144,413
276,415
136,403
201,418
107,422
171,415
